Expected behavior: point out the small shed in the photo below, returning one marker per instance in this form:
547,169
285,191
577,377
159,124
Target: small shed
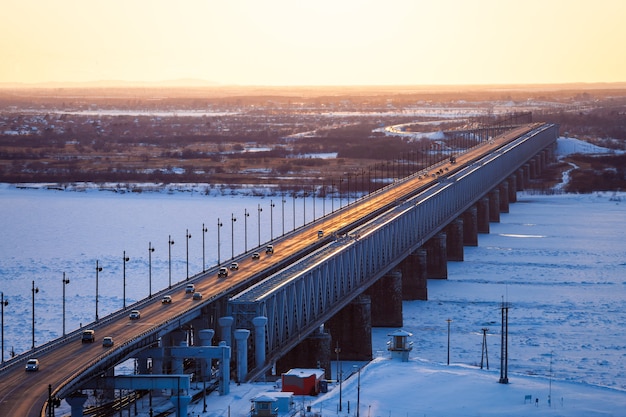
264,406
399,345
302,381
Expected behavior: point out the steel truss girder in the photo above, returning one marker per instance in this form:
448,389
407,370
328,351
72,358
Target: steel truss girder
311,296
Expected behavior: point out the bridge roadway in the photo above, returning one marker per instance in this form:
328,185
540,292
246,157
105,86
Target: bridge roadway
25,393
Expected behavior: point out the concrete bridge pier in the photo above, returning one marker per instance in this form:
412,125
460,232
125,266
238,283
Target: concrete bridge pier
386,300
436,257
519,177
351,330
532,173
76,402
259,324
526,174
483,215
226,326
504,196
241,339
512,180
454,240
494,205
174,338
313,352
414,276
470,226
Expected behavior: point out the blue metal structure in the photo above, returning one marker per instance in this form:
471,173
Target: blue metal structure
300,298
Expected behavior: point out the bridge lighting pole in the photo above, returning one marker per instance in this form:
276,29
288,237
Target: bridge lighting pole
348,203
170,242
245,230
339,372
98,270
332,198
219,225
124,260
233,219
294,210
358,391
34,290
313,195
3,303
284,201
188,236
150,250
340,182
65,282
304,196
259,222
271,220
448,320
204,230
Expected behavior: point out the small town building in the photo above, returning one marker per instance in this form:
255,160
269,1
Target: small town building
399,346
303,381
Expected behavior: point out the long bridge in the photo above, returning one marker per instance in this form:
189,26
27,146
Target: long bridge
325,284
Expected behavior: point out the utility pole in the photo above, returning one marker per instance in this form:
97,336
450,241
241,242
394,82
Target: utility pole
504,345
483,353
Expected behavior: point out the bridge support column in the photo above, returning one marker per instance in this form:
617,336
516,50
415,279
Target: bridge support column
386,300
414,276
312,352
483,215
454,240
181,402
259,323
504,196
512,180
76,402
526,175
174,338
241,339
436,257
519,176
205,337
532,172
226,324
351,329
494,206
470,226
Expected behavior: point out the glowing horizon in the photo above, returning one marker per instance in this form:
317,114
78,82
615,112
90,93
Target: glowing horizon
321,43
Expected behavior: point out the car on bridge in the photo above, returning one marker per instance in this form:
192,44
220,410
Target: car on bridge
234,266
222,273
269,249
167,299
197,296
190,289
107,341
32,365
134,315
89,336
256,255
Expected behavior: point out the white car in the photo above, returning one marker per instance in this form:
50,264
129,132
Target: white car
32,365
107,341
190,289
135,315
167,299
234,266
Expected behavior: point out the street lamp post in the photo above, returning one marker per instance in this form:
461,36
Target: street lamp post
245,230
448,320
358,392
204,230
34,290
294,210
219,225
65,282
150,250
98,270
188,236
124,260
271,220
3,303
284,201
233,219
170,242
339,372
259,222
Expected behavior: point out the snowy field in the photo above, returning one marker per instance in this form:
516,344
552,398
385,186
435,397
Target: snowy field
560,261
